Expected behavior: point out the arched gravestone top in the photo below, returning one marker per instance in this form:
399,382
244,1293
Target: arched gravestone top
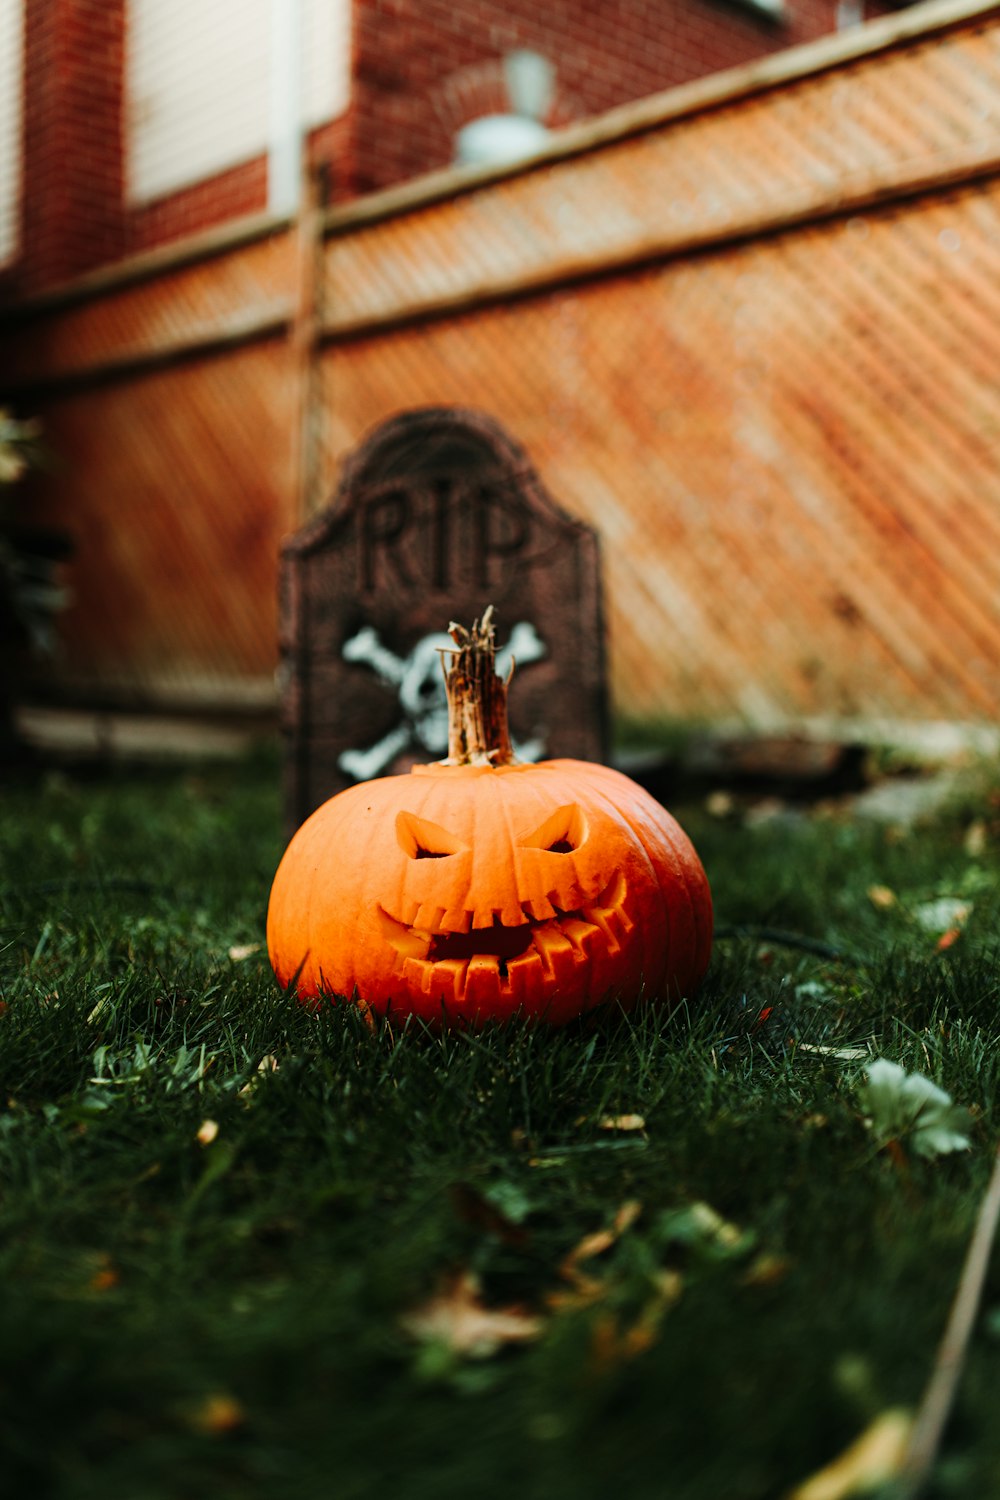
437,514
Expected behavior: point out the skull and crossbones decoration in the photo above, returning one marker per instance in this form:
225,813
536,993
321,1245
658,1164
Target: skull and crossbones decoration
419,684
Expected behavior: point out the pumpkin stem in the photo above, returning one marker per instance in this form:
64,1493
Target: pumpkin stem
478,734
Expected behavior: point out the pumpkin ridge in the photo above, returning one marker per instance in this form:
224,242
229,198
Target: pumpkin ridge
651,827
699,899
593,777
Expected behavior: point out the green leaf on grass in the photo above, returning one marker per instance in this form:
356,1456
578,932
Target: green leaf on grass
901,1106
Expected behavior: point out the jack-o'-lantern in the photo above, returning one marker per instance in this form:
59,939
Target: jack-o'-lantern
481,887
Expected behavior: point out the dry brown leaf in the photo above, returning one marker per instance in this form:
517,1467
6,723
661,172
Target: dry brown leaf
267,1064
767,1269
871,1461
458,1318
613,1344
239,951
623,1122
106,1275
844,1054
218,1414
714,1226
975,839
599,1240
588,1247
627,1215
584,1292
367,1014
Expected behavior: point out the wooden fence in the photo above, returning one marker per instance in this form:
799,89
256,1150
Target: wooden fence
747,329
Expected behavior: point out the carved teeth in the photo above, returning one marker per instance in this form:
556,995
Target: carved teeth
450,971
579,933
441,949
555,948
457,920
609,914
409,915
428,919
409,942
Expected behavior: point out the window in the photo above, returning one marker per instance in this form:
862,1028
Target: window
207,88
11,96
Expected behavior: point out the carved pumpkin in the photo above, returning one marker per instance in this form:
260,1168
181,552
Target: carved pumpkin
480,887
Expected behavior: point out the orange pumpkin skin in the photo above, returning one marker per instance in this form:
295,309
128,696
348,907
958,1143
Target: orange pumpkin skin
472,893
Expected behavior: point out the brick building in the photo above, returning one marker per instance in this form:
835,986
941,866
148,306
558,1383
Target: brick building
125,124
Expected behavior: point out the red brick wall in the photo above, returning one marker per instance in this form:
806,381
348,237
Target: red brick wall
411,56
240,191
421,69
73,146
217,200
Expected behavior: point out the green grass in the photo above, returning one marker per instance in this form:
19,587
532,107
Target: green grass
180,1318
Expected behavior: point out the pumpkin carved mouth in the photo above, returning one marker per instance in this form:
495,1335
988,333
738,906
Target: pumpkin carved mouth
558,943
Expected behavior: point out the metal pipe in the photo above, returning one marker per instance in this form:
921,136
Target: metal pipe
284,157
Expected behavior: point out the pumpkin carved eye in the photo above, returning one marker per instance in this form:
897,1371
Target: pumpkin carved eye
562,832
420,839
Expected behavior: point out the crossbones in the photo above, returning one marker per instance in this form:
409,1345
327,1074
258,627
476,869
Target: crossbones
419,682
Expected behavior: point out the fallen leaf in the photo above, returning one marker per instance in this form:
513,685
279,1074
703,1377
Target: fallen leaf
908,1107
882,898
766,1269
583,1292
614,1341
975,839
941,915
218,1414
457,1318
106,1276
599,1240
701,1227
207,1132
623,1122
844,1054
267,1064
366,1013
872,1460
239,951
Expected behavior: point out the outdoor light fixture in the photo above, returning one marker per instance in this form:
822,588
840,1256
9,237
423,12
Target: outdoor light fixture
774,10
511,137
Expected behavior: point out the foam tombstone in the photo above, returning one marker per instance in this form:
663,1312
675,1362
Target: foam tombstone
480,887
